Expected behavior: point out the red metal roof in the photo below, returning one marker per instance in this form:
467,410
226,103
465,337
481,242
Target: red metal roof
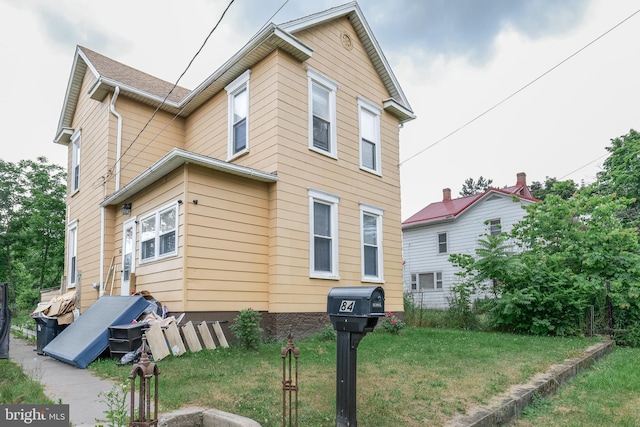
450,209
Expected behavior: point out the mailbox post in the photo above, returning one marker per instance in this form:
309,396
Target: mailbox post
353,311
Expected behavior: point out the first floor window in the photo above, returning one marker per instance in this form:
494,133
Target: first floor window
371,220
323,213
426,281
159,233
72,266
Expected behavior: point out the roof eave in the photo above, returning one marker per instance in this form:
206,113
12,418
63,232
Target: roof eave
176,158
354,13
261,45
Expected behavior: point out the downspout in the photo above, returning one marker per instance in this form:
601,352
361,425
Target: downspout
118,135
102,284
112,107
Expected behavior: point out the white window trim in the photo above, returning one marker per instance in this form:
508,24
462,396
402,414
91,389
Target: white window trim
490,226
370,107
233,88
156,214
73,253
435,281
315,77
438,243
333,200
76,142
133,224
378,213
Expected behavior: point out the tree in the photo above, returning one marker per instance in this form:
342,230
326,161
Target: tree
568,250
32,227
564,189
472,187
621,173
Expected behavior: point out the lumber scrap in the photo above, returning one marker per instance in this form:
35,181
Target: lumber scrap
157,342
221,338
191,337
175,341
205,334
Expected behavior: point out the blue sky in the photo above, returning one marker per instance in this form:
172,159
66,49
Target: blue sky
455,59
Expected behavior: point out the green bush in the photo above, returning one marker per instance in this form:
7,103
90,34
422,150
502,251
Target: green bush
247,328
392,323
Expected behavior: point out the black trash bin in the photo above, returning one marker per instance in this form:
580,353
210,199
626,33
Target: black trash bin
46,331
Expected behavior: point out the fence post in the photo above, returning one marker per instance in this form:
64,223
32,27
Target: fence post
144,371
290,383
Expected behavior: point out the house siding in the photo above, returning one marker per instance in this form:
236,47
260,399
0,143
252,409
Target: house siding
242,242
420,245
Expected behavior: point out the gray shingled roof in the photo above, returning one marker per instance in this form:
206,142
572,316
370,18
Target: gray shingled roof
109,68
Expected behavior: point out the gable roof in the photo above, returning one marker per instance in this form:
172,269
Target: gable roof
181,101
450,209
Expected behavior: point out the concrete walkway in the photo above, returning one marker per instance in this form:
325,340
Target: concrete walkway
63,383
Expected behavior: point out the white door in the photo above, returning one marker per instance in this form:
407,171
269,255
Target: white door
128,255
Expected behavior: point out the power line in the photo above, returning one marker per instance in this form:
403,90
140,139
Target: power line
171,91
519,90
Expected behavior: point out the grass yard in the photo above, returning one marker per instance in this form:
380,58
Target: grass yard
608,394
16,387
420,377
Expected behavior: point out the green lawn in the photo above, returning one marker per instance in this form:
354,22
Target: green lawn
608,394
420,377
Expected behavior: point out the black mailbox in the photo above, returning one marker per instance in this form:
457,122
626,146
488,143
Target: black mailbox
355,309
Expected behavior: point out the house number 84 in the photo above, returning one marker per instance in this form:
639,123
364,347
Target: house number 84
347,306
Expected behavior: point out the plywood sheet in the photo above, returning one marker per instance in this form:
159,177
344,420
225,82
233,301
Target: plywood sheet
205,334
191,337
221,338
175,341
157,342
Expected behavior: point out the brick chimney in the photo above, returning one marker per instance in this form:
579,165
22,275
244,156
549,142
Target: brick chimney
522,179
446,194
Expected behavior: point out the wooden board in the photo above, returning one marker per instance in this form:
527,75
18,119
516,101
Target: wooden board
191,337
205,334
157,342
221,338
175,341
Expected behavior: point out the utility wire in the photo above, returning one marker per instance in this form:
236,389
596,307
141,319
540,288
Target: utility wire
519,90
171,91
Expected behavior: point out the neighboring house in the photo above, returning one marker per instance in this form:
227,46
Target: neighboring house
272,182
453,226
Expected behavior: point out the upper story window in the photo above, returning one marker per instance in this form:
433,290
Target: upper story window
369,115
75,161
159,234
238,129
322,113
495,227
372,260
72,266
323,231
442,243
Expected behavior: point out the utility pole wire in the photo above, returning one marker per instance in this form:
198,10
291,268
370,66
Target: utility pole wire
519,90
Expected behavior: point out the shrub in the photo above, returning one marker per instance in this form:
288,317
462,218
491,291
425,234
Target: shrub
392,324
247,328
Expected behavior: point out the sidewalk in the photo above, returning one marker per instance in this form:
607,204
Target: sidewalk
64,383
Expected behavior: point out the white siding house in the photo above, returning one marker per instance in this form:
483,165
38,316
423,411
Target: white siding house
453,226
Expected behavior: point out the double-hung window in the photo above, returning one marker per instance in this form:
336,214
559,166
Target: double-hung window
72,263
159,234
75,161
369,115
238,129
442,243
322,113
323,235
371,228
495,227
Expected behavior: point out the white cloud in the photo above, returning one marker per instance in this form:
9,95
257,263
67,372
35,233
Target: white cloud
557,125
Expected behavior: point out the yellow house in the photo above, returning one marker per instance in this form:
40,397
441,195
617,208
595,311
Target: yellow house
273,181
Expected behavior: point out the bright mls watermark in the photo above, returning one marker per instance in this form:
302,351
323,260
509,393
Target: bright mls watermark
34,415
